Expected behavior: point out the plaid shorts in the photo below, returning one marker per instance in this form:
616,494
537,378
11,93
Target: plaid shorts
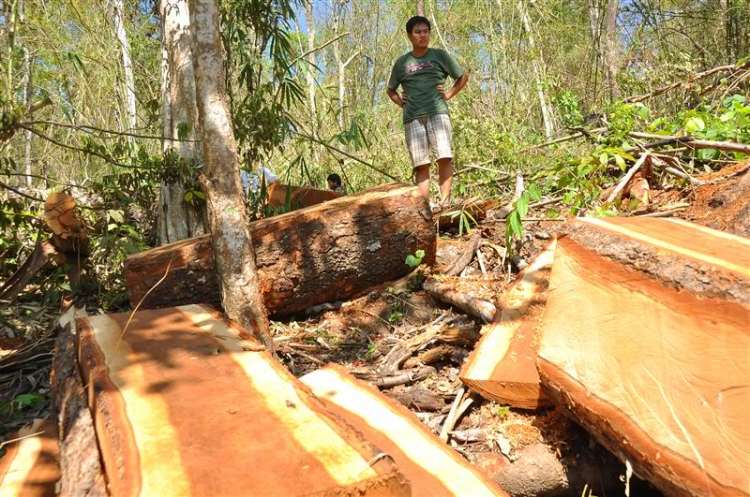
430,133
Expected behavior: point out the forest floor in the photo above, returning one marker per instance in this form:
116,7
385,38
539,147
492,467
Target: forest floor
511,445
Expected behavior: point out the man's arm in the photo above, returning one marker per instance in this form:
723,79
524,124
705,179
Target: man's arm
395,97
457,87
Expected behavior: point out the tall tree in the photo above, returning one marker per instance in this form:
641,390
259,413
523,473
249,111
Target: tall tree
420,7
610,51
227,216
178,219
118,10
539,70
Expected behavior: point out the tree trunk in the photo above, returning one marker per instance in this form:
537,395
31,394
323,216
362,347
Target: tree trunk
645,342
420,7
327,252
27,102
610,52
227,215
340,68
118,13
310,78
176,218
539,71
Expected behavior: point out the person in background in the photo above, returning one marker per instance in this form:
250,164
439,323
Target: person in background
421,73
334,183
251,181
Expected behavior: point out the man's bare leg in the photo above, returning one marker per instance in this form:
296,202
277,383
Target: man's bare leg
422,174
445,168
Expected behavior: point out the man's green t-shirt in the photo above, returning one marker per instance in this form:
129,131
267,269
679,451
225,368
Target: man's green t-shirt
420,77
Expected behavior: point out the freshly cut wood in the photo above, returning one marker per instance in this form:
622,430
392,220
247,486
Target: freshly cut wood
646,342
432,467
503,365
322,253
298,197
30,467
81,472
186,401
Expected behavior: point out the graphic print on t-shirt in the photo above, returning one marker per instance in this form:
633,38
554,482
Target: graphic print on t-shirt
412,68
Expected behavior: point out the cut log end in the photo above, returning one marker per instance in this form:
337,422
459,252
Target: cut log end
432,467
647,346
181,389
502,368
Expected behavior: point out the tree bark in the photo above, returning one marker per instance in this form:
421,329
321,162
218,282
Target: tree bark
644,341
118,12
610,52
327,252
420,7
176,218
80,459
230,235
539,71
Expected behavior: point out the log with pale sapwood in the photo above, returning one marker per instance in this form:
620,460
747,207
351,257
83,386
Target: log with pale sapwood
330,251
503,365
646,342
432,467
81,472
30,466
184,400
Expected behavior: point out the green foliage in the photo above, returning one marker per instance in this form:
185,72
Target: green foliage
502,411
415,260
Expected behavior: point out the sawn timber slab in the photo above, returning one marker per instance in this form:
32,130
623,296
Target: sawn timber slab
31,465
432,467
183,405
330,251
502,367
646,342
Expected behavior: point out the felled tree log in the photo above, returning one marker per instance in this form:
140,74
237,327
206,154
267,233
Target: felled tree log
645,342
446,291
298,197
186,401
326,252
81,472
503,365
30,466
432,467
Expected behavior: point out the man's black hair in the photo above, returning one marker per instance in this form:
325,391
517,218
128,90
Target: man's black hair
417,20
335,178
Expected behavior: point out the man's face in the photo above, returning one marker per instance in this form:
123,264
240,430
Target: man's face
332,185
420,36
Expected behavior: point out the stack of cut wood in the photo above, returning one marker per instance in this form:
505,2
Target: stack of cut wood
331,251
644,341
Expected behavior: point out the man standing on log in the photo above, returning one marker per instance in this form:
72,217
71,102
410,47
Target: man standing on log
422,73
